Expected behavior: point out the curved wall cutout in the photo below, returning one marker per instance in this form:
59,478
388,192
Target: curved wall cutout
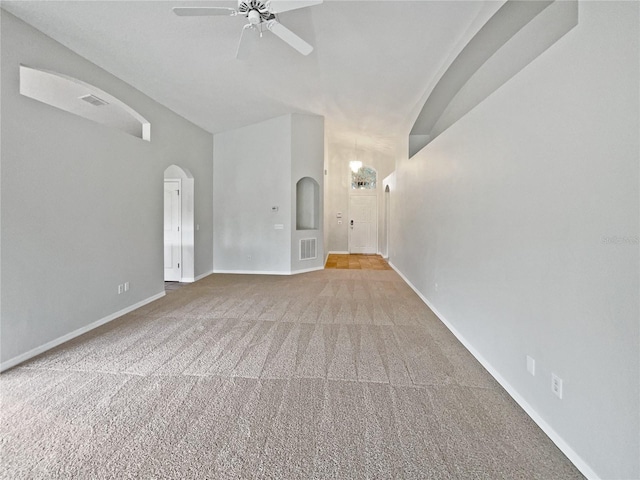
365,178
307,204
512,38
80,98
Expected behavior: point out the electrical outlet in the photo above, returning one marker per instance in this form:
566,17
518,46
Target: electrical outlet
120,289
531,365
556,385
126,286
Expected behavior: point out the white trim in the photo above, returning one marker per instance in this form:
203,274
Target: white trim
200,277
181,230
571,454
65,338
262,272
187,280
250,272
306,270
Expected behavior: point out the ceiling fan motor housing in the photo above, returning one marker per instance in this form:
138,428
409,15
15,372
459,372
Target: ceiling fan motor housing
255,10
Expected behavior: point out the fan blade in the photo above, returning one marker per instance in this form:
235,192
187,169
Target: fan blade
279,6
289,37
245,45
203,11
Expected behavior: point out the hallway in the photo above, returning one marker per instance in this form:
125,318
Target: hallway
356,262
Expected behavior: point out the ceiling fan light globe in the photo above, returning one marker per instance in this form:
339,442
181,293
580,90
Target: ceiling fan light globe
254,17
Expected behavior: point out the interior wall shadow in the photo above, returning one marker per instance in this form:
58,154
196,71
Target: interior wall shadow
515,36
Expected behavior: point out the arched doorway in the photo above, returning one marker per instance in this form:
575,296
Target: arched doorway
179,225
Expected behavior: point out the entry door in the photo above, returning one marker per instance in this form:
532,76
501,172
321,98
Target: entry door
363,224
172,231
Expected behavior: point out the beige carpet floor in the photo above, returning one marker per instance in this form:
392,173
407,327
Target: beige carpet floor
332,374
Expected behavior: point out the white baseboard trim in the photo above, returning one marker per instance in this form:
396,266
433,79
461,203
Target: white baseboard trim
307,270
262,272
206,274
251,272
195,279
571,454
65,338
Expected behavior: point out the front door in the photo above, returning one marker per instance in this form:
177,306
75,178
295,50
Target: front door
172,231
363,224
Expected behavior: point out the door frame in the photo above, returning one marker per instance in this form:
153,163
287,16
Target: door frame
180,264
387,220
189,227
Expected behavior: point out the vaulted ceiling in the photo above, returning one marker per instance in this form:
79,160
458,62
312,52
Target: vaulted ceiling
372,62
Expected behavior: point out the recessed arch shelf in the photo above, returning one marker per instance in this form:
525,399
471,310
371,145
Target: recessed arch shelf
307,204
82,99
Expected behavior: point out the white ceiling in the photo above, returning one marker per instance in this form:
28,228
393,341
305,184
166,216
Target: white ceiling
372,62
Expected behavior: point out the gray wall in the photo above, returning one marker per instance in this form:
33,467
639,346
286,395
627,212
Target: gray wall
519,224
307,157
81,203
252,173
257,168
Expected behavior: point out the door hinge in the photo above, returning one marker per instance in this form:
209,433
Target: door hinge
178,265
178,192
178,228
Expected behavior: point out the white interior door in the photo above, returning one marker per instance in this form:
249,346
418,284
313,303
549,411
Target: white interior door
172,231
363,224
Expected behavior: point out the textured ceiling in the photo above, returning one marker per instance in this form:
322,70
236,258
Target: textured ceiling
371,65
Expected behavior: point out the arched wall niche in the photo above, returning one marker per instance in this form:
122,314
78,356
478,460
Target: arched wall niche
82,99
307,204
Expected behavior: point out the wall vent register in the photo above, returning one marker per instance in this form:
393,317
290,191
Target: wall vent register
82,99
308,249
93,100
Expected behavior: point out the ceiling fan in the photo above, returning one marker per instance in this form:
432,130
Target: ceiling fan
262,15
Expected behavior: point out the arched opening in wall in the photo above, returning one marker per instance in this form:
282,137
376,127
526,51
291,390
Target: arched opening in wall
179,225
82,99
487,62
364,178
307,204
